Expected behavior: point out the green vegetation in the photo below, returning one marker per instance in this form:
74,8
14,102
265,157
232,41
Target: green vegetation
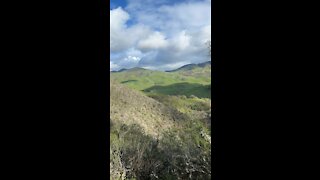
160,124
187,89
192,79
192,107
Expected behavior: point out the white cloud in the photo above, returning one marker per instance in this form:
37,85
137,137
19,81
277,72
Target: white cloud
132,59
113,66
155,40
123,37
118,18
161,34
181,41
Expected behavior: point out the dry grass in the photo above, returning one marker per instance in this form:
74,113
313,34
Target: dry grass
129,107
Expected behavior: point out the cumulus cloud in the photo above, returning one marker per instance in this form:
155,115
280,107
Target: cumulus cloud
161,35
113,66
123,37
155,40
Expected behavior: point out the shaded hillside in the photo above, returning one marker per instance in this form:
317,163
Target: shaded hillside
187,89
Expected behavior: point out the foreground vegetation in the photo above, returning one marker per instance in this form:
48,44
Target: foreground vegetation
182,153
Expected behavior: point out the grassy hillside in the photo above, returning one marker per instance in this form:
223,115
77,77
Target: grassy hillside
193,107
129,107
160,136
202,70
187,80
160,123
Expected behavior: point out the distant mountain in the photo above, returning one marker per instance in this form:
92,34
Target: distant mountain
189,67
137,69
130,70
121,70
185,67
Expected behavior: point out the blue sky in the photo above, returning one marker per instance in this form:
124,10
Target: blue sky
123,3
160,35
117,3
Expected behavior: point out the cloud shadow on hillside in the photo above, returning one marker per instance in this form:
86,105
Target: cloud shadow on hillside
128,81
187,89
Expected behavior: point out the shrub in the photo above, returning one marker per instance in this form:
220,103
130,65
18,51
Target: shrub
182,153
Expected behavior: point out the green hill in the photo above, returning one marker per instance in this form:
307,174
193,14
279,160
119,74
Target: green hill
195,70
194,79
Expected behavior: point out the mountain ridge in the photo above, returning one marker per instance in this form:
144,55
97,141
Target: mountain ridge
190,66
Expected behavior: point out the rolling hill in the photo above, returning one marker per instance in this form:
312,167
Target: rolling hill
190,67
192,79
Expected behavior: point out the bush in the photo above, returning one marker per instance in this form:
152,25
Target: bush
179,154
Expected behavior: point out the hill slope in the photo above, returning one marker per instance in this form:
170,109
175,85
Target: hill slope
190,67
194,79
129,107
156,138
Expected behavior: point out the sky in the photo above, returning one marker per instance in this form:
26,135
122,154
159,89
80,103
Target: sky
159,34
